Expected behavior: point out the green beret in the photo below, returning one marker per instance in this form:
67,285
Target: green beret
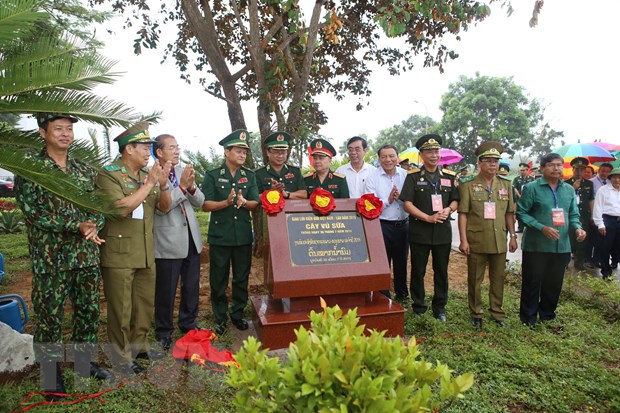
278,140
578,162
322,146
138,133
615,171
490,149
44,117
429,141
236,138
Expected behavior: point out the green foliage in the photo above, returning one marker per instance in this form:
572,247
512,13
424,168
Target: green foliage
10,222
405,134
334,367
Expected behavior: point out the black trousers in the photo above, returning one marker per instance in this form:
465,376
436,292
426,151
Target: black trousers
542,279
419,259
610,243
396,246
166,281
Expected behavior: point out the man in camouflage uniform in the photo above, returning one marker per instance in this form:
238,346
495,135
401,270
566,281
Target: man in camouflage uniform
584,189
276,174
486,211
322,153
64,251
230,194
128,256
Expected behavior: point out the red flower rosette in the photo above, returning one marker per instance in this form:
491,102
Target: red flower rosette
272,201
322,201
369,206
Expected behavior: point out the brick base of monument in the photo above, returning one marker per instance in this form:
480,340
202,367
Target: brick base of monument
276,319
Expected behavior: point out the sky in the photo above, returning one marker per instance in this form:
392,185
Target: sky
568,62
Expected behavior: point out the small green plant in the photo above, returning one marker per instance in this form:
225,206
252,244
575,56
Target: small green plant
334,367
10,222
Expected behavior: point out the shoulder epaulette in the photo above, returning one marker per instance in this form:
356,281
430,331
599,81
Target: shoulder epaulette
413,170
308,175
449,172
339,175
467,179
246,168
112,168
505,178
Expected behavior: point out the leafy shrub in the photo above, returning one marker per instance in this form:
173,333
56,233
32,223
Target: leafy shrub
6,205
10,222
334,367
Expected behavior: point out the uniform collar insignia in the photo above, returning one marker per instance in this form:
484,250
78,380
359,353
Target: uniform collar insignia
242,172
222,171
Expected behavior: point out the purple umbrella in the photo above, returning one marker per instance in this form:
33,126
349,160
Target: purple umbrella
449,156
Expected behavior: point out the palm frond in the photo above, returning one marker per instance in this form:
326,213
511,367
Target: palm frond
17,18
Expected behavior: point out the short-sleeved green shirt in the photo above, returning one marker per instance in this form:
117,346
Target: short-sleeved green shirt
290,176
333,182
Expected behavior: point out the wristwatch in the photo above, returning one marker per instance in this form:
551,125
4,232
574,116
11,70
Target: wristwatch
513,235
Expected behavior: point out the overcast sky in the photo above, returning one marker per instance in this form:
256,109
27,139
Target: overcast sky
568,62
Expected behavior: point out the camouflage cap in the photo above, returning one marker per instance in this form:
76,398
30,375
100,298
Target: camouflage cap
579,162
236,138
321,146
278,140
44,117
429,141
490,149
138,133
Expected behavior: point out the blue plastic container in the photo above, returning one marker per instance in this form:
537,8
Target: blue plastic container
10,313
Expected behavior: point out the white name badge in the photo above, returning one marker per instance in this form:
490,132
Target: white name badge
138,213
489,210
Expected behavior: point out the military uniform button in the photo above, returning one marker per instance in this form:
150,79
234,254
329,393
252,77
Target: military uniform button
120,236
235,217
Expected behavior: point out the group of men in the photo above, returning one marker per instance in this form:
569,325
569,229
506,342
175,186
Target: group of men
157,241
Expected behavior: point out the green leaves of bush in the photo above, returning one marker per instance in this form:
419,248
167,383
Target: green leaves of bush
334,367
10,222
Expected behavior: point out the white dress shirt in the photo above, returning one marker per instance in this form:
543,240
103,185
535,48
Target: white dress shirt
607,202
355,180
381,184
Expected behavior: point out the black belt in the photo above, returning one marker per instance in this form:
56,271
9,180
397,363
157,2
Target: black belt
395,223
611,217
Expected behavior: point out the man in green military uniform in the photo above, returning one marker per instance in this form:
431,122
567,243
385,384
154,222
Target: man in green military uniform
276,174
486,212
230,194
518,183
322,153
128,256
64,252
584,189
430,195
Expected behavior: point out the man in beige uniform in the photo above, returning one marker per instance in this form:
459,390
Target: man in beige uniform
128,257
485,214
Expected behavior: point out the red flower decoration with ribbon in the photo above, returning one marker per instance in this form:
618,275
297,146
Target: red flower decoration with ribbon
272,201
369,206
322,201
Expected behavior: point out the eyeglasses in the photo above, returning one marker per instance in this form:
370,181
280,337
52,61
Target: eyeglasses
173,148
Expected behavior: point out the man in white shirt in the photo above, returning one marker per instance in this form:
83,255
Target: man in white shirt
607,219
356,171
386,183
601,177
598,181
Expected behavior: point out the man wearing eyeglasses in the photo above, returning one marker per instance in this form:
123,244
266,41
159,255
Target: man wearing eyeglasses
548,209
178,244
356,171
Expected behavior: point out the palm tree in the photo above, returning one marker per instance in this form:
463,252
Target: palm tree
46,70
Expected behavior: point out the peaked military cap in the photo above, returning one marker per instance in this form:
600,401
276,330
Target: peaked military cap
138,133
323,147
404,161
278,140
615,171
45,117
429,141
579,161
523,166
236,138
503,169
490,149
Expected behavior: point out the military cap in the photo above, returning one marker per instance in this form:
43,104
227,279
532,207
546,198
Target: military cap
503,169
322,146
404,161
490,149
138,133
429,141
615,171
278,140
44,117
579,162
523,166
236,138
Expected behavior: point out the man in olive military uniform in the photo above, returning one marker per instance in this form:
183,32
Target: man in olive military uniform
430,196
64,252
322,153
518,183
128,255
584,189
230,194
276,174
486,212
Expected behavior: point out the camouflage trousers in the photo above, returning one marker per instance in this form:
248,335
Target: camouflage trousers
50,292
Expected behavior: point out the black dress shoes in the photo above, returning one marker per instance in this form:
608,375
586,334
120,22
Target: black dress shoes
99,372
151,355
476,322
135,368
441,317
165,343
240,323
220,329
187,330
500,323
